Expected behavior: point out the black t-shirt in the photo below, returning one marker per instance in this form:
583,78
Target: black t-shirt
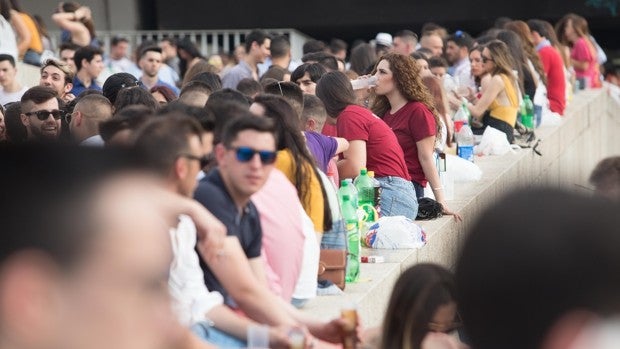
212,193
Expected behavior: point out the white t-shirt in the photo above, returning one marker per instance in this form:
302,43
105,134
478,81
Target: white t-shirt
8,97
191,298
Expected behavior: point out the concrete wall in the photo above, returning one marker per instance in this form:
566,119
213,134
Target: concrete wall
588,133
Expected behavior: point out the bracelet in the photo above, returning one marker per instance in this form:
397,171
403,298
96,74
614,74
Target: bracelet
438,188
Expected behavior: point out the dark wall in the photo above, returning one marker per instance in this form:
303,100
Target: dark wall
351,19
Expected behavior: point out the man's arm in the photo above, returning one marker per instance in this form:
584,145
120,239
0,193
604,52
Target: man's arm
232,269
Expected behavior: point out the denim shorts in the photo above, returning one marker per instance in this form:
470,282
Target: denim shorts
398,197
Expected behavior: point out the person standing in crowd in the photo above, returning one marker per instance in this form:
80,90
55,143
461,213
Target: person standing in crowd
407,107
432,41
257,46
89,64
89,112
41,114
150,62
572,30
372,144
458,46
405,42
280,51
188,55
552,64
500,97
12,89
76,23
67,54
58,76
307,75
117,60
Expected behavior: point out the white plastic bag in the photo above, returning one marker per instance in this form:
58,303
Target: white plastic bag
493,142
462,170
395,232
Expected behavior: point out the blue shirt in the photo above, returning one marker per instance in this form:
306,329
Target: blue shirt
245,225
160,82
78,86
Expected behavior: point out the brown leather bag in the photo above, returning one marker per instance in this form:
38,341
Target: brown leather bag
332,266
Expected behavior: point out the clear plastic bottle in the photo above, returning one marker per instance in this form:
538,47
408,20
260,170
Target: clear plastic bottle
353,237
465,143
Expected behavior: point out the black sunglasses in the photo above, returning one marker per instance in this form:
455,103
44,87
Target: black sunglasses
204,160
245,154
44,114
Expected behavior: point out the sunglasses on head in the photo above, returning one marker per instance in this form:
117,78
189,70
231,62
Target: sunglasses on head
245,154
44,114
204,160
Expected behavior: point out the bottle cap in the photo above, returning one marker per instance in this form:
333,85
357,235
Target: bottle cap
344,183
363,171
371,174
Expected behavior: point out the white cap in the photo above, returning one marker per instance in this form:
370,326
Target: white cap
384,39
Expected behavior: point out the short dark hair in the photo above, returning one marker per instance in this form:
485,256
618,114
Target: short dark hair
5,57
16,132
336,45
249,86
243,123
406,34
87,53
68,46
313,46
328,61
212,80
280,46
228,95
148,49
129,118
38,95
606,174
537,25
274,72
203,115
290,91
161,140
117,40
134,96
314,70
196,85
461,39
44,179
557,259
257,35
336,92
434,62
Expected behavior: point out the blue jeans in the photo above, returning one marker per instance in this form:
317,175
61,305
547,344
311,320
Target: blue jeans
398,197
336,238
216,337
419,190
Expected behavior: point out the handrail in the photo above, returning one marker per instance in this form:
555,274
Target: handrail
208,41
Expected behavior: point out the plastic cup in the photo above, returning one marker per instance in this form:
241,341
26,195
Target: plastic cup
364,82
258,336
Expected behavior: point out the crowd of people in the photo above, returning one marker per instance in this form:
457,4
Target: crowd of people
166,199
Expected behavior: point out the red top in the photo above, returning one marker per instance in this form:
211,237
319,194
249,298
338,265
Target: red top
329,130
556,82
383,154
412,123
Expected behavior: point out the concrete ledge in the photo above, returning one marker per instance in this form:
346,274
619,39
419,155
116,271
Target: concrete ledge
587,134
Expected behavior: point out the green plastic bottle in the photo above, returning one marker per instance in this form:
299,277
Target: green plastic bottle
527,112
353,238
366,195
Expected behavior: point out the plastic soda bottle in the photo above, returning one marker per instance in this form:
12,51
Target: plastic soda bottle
527,112
465,142
353,238
366,195
377,186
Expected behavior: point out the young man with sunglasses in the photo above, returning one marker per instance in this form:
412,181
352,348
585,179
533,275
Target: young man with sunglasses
245,157
41,114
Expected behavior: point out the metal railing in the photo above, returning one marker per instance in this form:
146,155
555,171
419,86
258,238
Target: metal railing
208,41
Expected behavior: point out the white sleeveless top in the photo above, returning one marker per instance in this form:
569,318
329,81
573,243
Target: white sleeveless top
8,41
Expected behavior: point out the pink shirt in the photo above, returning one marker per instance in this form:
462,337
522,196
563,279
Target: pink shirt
283,238
581,51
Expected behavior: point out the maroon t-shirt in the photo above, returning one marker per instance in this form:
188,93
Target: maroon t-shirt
383,154
412,123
